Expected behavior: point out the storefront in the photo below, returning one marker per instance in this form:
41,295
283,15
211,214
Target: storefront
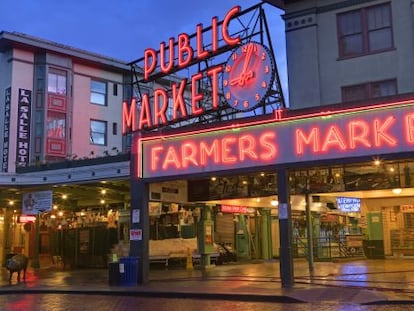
330,156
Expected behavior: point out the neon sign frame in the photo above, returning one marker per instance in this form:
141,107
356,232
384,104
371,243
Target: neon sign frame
356,132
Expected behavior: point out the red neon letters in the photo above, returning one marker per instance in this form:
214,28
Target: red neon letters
389,130
184,52
358,133
227,150
169,107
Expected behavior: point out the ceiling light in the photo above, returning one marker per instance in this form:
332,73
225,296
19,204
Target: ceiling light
274,202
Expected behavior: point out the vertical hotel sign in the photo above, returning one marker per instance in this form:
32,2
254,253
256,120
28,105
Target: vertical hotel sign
23,127
6,131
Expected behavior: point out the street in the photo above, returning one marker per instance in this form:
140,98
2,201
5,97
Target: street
71,302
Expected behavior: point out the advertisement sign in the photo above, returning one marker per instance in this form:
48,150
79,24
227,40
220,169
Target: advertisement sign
135,234
348,205
23,127
382,129
37,202
6,130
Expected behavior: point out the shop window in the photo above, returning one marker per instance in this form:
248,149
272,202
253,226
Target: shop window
98,132
369,90
364,31
371,177
98,92
56,82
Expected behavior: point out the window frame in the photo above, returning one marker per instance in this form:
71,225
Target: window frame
365,32
58,74
96,92
105,133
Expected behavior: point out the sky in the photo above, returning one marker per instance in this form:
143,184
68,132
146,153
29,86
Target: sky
123,29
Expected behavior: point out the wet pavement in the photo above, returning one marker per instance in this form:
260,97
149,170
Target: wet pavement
362,281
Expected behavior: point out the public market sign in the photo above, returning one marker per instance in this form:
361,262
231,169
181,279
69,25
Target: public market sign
167,107
374,130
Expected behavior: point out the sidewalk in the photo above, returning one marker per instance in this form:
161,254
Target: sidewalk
359,282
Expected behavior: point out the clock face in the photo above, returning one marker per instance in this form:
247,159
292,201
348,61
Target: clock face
248,76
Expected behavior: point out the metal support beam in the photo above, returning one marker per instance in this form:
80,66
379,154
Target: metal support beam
285,229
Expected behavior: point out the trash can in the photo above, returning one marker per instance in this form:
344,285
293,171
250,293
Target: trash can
114,276
128,268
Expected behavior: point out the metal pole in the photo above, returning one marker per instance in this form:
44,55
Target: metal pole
285,229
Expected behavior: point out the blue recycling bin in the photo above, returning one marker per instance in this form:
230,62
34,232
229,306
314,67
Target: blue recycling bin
128,268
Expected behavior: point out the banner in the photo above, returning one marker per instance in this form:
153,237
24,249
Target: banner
37,202
23,127
6,131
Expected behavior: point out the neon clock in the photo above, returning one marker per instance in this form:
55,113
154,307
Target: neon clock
248,76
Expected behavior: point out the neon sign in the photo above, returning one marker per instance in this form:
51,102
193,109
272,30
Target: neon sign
234,209
181,54
353,133
348,204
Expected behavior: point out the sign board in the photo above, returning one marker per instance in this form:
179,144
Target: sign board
234,209
135,234
6,131
37,202
383,129
23,127
347,205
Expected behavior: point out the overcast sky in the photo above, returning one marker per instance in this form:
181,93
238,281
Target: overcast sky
122,29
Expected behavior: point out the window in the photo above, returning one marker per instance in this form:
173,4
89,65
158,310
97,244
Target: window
369,90
56,82
56,125
365,31
98,131
98,92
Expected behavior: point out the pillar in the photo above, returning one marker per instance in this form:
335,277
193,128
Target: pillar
285,229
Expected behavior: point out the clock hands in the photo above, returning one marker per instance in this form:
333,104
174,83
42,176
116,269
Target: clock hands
245,75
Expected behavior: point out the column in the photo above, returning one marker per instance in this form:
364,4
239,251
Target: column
285,229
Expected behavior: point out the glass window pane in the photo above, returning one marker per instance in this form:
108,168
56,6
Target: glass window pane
378,17
383,88
98,132
357,92
56,83
56,125
98,86
351,45
98,92
350,23
98,98
380,39
51,83
61,85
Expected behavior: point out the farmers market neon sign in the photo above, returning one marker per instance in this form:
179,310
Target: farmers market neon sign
334,135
